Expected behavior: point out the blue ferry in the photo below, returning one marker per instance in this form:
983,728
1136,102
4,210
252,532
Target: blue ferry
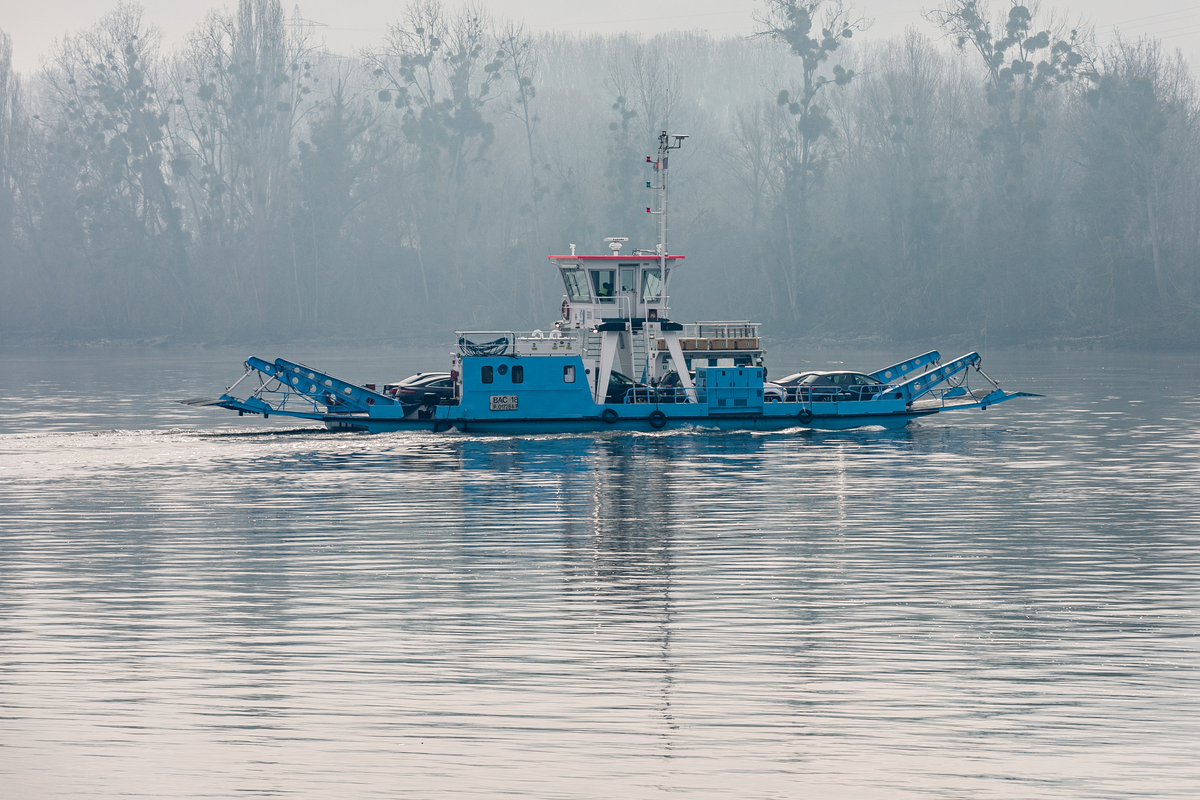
616,360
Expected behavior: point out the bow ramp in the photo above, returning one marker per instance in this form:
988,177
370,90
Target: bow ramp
294,390
895,371
926,392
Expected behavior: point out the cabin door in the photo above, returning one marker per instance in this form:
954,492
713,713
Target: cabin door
627,277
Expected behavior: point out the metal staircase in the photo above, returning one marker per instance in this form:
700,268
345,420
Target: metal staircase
640,347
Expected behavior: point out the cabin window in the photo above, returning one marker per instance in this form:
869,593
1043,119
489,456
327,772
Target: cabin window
602,282
485,374
518,374
628,278
652,285
577,288
569,373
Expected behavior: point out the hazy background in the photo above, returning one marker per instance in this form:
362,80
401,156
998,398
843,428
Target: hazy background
356,24
180,172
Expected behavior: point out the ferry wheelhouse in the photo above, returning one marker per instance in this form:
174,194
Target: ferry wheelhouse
615,360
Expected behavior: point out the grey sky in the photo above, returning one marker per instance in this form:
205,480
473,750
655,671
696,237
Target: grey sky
360,23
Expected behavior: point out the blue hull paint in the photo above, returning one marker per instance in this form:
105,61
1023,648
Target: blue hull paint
626,423
545,395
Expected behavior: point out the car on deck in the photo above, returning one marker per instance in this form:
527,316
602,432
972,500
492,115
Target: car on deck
794,379
621,385
422,388
831,386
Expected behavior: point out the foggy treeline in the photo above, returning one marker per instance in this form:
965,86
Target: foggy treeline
989,172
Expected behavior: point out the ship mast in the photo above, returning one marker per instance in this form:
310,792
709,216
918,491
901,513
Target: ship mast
660,166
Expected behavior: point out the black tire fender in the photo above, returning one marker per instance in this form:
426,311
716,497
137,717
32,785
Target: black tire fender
609,416
657,419
805,416
442,425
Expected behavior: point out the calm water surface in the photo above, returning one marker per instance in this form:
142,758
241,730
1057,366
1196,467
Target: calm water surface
985,605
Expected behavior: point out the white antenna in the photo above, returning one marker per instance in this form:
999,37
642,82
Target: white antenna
660,166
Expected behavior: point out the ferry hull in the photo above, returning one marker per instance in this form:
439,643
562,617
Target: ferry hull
626,424
503,395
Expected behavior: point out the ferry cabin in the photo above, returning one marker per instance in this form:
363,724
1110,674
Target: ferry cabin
614,324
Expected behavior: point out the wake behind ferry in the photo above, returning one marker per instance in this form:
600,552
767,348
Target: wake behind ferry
615,360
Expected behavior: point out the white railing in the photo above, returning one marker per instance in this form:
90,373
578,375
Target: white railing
663,395
831,394
506,343
726,329
553,342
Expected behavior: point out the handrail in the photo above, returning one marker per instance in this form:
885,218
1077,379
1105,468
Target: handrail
662,395
832,394
722,329
623,300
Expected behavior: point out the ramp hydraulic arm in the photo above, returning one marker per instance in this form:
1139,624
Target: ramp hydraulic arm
895,371
337,395
285,381
914,387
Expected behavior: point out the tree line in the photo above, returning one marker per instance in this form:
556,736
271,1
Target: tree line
988,172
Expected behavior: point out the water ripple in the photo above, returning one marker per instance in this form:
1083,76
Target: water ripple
993,605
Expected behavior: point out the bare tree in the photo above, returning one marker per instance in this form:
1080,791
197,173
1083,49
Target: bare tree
10,123
241,86
439,71
110,123
813,31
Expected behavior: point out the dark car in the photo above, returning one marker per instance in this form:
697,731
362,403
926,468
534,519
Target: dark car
669,388
619,386
794,379
834,386
423,388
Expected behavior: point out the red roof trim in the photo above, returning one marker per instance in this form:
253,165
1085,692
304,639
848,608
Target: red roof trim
618,258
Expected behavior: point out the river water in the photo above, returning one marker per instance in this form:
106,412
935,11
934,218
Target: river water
986,604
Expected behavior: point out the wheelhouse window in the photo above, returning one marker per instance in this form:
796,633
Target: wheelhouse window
518,374
628,277
652,285
569,373
576,283
485,374
603,281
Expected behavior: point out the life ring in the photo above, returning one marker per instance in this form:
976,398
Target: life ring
609,416
556,334
805,416
539,335
566,309
437,426
657,419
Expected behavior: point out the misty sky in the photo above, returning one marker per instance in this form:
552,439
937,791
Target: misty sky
360,23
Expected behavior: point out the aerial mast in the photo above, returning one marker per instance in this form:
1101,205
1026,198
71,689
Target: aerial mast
660,166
